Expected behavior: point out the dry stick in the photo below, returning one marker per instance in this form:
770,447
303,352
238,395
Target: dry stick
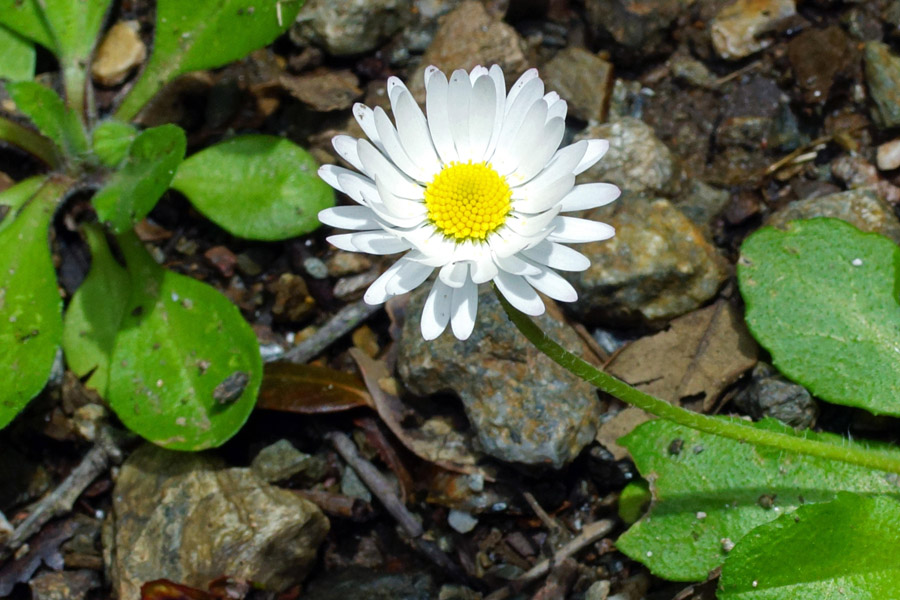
344,321
61,500
5,529
381,487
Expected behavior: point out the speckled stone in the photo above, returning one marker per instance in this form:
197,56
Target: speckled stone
188,518
637,161
347,27
861,208
883,79
740,27
583,80
523,407
658,266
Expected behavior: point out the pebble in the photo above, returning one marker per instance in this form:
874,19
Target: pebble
583,79
657,267
189,518
460,521
324,90
818,57
120,52
348,27
771,395
315,267
883,79
347,263
740,27
889,155
279,461
64,585
701,203
522,407
599,590
639,28
470,36
637,161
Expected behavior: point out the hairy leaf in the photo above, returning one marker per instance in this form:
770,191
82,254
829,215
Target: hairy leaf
17,63
111,140
52,117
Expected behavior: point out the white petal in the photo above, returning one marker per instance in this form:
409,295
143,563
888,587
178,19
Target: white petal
371,242
349,217
517,87
476,72
413,130
399,206
557,110
528,139
348,148
540,199
496,74
437,107
421,257
395,87
531,225
482,116
573,230
377,294
393,148
563,163
484,270
410,276
531,163
521,295
595,151
458,96
589,195
430,70
365,116
436,312
350,182
507,242
529,94
557,256
553,285
377,166
464,309
551,98
454,274
515,265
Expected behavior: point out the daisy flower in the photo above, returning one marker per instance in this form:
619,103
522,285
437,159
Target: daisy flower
474,188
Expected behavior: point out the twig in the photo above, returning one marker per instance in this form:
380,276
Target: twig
549,522
344,321
338,505
60,501
5,529
381,487
589,534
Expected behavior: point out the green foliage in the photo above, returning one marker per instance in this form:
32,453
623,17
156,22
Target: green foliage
186,368
633,501
707,489
111,140
842,549
205,34
19,56
52,118
280,195
822,298
30,306
142,178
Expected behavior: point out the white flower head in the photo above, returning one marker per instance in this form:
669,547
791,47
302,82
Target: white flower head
475,190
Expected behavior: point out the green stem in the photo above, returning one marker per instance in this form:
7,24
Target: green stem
30,141
75,80
733,429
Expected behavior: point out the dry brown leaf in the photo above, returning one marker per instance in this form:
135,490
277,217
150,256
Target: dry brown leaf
623,423
308,389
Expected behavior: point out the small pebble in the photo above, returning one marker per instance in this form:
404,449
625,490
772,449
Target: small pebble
315,267
889,155
461,521
120,52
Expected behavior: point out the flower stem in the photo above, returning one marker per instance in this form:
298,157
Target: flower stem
733,429
30,141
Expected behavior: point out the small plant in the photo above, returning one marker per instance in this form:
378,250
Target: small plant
172,356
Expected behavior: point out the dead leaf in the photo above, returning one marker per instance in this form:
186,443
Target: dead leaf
309,389
43,548
697,357
324,90
623,423
163,589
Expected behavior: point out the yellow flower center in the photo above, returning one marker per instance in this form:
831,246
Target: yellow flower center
467,201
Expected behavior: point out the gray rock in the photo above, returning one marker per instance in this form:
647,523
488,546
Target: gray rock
523,407
583,79
347,27
883,79
639,27
701,203
188,518
279,461
64,585
740,28
771,395
861,208
658,266
354,583
637,160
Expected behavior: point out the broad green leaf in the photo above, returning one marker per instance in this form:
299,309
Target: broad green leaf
135,186
93,317
47,111
186,366
633,501
30,305
26,18
204,34
847,548
256,186
709,491
822,299
111,140
17,61
14,198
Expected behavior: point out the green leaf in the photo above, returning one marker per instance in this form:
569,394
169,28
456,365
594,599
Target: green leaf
137,184
93,317
47,111
30,305
18,59
822,299
186,367
14,198
256,186
204,34
111,140
26,18
842,549
633,501
709,491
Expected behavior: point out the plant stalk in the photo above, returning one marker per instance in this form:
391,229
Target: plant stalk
733,429
30,141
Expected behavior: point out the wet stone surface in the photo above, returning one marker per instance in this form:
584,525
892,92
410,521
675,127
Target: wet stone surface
883,79
819,58
771,395
583,79
346,27
523,407
741,27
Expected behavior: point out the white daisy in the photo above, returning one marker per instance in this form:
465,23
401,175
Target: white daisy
474,190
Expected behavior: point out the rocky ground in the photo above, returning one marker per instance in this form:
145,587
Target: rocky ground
475,464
